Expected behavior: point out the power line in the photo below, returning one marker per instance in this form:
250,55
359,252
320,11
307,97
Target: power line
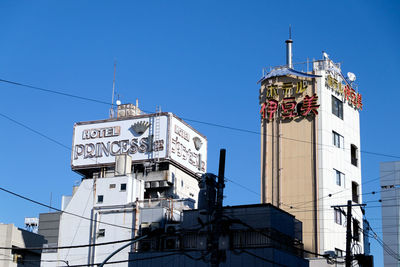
262,258
132,260
56,209
66,147
187,119
238,221
54,92
35,131
242,186
75,246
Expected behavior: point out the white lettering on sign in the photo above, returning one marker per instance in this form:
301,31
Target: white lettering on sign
182,133
186,154
101,132
133,146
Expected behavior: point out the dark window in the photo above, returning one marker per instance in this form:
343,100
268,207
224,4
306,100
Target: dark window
339,253
101,233
337,107
100,198
17,258
339,177
338,216
112,186
356,230
354,155
338,140
123,187
354,191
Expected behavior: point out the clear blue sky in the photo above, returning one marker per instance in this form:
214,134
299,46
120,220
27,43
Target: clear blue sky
198,59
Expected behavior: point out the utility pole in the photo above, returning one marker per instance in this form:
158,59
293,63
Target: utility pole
348,235
216,253
348,229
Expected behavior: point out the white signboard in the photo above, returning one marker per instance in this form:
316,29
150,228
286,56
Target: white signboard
99,143
143,138
188,148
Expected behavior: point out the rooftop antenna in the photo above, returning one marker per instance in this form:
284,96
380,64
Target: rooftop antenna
113,92
289,49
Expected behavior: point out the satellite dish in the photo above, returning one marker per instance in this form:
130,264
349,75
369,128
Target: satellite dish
351,76
325,55
118,102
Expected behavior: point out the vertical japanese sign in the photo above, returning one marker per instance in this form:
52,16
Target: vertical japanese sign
349,94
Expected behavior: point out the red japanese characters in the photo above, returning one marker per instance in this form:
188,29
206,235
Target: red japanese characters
289,108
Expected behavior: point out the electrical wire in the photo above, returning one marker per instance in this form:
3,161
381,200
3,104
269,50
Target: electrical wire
187,119
59,210
71,247
132,260
54,92
238,221
262,258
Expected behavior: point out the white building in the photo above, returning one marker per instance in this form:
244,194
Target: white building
390,195
310,145
139,172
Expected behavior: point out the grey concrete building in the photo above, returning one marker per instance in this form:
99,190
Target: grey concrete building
390,195
16,238
252,235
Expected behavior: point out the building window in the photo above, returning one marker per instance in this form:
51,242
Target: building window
338,216
17,258
338,140
339,177
354,155
355,191
337,107
123,187
101,233
100,198
112,186
339,253
356,230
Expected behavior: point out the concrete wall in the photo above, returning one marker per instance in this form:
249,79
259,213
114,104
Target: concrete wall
287,164
331,158
390,195
11,236
114,209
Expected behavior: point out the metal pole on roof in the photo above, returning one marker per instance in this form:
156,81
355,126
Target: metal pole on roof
289,43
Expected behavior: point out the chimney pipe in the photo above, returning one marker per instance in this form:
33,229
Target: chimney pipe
289,53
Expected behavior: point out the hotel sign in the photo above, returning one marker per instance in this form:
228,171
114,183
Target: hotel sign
288,108
142,138
349,94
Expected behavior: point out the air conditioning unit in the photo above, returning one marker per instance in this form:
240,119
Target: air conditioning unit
164,184
145,245
145,228
172,228
171,243
202,242
155,184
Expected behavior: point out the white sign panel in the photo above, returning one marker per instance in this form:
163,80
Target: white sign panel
188,148
98,143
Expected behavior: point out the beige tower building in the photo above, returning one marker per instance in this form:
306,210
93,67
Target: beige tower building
310,148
